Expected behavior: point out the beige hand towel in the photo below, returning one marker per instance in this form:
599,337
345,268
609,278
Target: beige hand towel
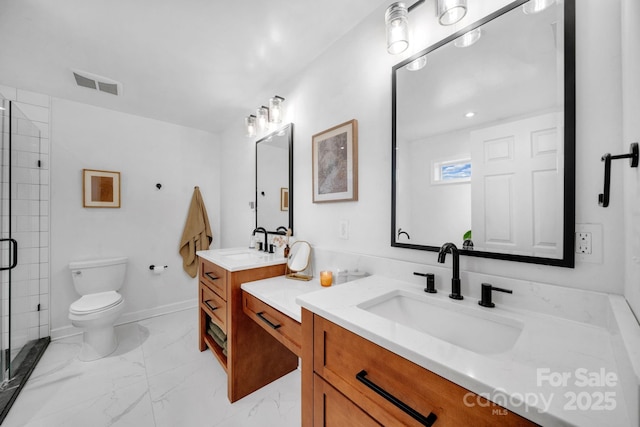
196,235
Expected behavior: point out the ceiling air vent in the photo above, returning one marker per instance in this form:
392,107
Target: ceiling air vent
93,81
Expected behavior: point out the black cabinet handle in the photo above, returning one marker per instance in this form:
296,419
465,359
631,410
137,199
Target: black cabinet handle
264,319
212,308
210,276
426,421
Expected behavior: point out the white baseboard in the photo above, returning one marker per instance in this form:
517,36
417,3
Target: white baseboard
136,316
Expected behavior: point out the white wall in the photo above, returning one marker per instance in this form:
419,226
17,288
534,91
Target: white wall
148,226
437,203
631,113
352,79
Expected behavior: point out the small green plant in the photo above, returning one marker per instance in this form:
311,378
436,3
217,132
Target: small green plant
467,235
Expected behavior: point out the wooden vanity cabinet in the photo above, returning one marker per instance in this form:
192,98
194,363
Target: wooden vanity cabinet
341,370
277,324
253,358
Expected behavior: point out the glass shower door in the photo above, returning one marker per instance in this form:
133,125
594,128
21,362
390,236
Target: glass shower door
22,247
20,250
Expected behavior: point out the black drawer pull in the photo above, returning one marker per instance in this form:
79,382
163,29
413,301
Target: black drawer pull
212,308
426,421
264,319
211,276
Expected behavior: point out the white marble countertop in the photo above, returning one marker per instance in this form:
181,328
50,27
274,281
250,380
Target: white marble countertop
559,372
281,293
238,259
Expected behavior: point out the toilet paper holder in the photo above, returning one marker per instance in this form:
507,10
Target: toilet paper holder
153,267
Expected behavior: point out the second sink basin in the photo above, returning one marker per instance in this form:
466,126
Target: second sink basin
473,329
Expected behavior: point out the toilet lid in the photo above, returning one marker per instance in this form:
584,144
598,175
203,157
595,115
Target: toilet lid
95,302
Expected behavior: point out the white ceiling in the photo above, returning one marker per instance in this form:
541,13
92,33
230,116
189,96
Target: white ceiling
200,63
513,70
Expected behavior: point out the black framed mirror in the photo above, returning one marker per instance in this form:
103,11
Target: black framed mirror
483,139
274,181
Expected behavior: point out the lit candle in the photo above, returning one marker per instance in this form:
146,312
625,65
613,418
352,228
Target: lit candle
326,277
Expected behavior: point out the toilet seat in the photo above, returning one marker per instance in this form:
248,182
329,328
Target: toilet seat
93,303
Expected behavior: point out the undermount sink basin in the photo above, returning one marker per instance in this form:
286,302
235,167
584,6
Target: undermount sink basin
469,328
244,255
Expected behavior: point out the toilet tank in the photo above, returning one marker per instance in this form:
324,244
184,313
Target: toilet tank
98,275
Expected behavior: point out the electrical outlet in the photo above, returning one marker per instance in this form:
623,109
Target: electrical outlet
589,243
583,242
343,229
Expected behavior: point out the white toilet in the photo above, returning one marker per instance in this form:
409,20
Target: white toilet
100,305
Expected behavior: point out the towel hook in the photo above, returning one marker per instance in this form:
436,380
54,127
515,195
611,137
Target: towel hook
603,198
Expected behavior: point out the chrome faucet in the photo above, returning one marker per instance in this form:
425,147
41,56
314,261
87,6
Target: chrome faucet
455,279
266,238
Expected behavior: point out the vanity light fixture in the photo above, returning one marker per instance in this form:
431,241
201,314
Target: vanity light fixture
417,64
468,38
275,109
451,11
536,6
265,117
250,124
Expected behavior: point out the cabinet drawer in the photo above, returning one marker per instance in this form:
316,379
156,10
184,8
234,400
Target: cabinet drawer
214,306
356,367
331,408
215,277
279,325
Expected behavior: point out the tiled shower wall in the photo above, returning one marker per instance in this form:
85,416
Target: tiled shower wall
30,223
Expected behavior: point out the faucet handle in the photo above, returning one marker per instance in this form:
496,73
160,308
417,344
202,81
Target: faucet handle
431,282
485,296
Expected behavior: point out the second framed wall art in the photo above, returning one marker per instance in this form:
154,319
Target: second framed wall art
335,163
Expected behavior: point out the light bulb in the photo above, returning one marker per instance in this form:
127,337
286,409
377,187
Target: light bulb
275,109
536,6
417,64
469,38
397,28
451,11
250,124
262,117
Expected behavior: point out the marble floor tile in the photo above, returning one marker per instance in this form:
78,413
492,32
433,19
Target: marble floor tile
58,383
172,341
276,404
126,407
157,377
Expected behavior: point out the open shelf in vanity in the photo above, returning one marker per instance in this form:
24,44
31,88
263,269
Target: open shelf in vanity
253,357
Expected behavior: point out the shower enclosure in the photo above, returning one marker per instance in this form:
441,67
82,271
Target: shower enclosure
21,252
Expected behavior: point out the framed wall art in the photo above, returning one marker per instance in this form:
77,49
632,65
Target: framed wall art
335,163
100,189
284,199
